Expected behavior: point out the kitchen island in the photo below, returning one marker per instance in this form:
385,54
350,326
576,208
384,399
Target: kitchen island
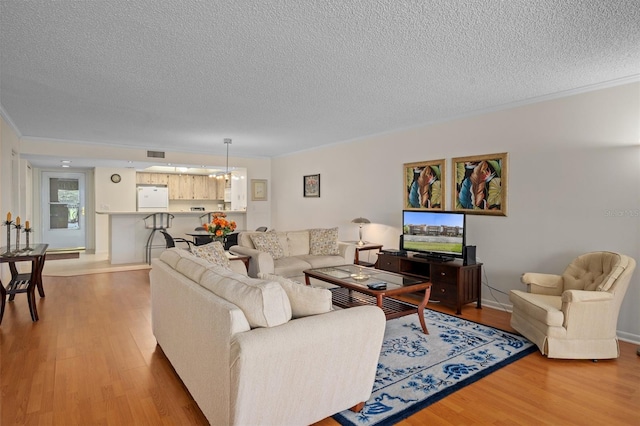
128,232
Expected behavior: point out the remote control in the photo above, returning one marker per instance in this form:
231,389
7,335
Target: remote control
377,286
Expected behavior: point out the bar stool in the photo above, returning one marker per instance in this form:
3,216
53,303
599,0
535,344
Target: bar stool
156,222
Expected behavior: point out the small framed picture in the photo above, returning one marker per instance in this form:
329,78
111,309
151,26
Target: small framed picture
311,186
480,184
424,185
258,190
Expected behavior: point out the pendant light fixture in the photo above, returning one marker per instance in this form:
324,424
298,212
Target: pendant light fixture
227,142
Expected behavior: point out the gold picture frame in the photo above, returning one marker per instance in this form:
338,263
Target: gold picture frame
259,189
480,184
424,185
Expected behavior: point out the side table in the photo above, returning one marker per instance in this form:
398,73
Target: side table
367,246
25,282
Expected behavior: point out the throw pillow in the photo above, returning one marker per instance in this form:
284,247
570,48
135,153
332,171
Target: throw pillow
212,252
268,242
323,242
305,300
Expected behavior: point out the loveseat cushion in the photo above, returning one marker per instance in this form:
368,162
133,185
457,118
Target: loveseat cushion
264,303
290,266
323,261
323,242
213,253
305,300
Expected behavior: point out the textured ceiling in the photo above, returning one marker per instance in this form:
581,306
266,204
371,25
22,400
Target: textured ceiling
284,76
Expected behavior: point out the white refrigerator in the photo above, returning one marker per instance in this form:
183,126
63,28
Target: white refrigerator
153,199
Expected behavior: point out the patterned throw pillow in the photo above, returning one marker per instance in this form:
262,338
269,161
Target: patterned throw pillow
268,242
212,252
323,242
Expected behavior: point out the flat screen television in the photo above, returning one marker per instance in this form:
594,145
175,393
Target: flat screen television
433,233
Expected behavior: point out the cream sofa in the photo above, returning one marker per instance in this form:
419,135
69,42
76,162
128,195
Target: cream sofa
297,252
233,343
574,315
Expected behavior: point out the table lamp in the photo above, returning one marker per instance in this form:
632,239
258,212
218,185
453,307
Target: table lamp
360,221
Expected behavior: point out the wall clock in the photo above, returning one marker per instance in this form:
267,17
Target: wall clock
115,178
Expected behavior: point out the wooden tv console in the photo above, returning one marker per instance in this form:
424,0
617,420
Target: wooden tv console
452,283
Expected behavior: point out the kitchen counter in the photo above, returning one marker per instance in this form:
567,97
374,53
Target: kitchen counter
128,233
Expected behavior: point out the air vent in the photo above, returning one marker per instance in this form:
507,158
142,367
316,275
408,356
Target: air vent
155,154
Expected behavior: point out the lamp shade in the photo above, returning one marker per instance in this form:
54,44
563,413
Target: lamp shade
360,220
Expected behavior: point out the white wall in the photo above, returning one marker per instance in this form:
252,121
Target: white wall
574,174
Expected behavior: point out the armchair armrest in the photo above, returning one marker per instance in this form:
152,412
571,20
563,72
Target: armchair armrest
588,314
538,283
570,296
260,261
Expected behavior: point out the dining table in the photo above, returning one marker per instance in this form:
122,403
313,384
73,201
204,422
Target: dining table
26,282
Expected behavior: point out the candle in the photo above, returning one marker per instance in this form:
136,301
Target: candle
9,217
26,225
18,220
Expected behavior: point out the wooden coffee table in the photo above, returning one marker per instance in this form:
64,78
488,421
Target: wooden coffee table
354,292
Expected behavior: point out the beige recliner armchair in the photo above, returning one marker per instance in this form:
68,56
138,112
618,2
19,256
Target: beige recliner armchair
574,315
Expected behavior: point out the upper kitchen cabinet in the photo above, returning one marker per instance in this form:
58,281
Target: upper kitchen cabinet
180,187
143,178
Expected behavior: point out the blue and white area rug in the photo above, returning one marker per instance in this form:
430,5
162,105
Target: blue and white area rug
415,369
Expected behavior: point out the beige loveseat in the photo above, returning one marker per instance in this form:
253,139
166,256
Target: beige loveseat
245,361
289,253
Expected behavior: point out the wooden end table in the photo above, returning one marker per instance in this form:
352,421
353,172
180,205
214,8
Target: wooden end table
352,292
26,282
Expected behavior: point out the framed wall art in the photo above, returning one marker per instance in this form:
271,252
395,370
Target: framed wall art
480,184
424,185
311,186
258,190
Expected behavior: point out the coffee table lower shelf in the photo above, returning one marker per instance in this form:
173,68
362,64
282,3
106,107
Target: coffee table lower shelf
345,298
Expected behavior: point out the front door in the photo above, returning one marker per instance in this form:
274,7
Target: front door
63,220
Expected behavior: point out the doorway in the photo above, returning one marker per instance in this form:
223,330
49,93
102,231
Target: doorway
63,215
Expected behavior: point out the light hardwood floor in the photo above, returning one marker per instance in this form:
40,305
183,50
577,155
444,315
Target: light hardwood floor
92,360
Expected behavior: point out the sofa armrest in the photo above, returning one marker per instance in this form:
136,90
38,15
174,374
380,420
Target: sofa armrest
260,261
549,284
307,369
348,251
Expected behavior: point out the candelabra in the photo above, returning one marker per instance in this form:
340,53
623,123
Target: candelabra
27,231
8,223
18,228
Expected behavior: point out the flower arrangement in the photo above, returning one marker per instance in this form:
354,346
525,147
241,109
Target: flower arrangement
220,226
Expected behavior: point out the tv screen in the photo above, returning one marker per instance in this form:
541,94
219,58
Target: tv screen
433,232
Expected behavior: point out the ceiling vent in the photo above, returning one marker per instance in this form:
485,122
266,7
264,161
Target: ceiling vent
155,154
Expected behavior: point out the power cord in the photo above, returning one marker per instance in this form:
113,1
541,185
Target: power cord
485,282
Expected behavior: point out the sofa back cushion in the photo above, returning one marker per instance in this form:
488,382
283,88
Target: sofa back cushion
297,243
305,300
264,303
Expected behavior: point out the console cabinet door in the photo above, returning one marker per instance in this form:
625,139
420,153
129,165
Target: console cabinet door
389,263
